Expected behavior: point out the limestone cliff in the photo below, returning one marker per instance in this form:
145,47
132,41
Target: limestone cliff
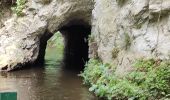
125,30
122,30
20,36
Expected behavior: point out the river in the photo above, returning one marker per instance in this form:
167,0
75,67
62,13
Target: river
48,82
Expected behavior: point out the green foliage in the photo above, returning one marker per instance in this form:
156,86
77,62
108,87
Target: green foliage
56,41
153,77
54,49
19,7
92,75
150,80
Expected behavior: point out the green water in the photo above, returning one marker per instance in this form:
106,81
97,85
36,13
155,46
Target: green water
48,82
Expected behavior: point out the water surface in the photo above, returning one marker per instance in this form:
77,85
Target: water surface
48,82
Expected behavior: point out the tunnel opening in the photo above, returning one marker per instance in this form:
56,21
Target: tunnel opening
75,38
75,46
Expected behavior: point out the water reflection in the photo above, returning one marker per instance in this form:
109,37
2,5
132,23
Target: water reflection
51,82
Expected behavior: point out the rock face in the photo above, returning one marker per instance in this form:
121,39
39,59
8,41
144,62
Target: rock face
122,30
20,37
5,11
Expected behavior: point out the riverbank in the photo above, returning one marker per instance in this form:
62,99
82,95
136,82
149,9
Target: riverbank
148,80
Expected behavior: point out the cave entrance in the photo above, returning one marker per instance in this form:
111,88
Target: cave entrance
75,39
75,45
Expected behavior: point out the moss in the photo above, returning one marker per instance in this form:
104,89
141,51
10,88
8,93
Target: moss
121,2
46,1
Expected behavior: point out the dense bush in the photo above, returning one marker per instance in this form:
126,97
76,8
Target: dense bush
150,80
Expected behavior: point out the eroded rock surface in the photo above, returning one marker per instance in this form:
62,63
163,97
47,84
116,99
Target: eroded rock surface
20,36
121,31
132,29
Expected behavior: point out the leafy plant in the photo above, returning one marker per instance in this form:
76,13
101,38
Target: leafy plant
150,80
19,7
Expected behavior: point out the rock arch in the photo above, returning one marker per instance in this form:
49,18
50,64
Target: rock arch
23,39
75,34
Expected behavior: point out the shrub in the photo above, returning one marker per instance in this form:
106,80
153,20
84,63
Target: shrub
149,81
